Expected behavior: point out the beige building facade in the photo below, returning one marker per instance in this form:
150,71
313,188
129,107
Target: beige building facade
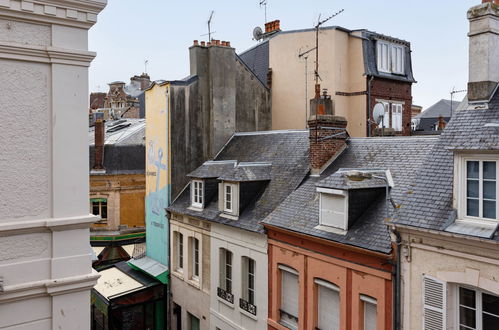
45,261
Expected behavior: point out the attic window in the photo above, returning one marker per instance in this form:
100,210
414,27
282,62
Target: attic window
333,207
390,57
197,193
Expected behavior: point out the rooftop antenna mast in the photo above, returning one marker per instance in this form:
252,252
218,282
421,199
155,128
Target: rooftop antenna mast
452,96
317,77
264,4
304,55
209,27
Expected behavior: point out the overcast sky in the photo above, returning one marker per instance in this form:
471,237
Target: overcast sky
131,31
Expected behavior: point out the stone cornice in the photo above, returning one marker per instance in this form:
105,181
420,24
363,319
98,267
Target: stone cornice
53,224
45,54
76,13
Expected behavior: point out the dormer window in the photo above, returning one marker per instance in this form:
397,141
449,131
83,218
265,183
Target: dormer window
390,57
230,197
481,189
197,193
333,206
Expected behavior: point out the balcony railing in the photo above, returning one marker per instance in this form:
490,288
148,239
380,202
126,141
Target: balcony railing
250,308
227,296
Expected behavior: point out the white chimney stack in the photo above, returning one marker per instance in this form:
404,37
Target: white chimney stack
483,50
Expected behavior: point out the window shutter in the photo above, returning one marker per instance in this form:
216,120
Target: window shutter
434,304
333,211
329,305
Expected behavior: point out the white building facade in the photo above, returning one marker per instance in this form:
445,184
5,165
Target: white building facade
239,260
45,262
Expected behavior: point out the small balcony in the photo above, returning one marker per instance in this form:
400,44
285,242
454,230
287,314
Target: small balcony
246,306
227,296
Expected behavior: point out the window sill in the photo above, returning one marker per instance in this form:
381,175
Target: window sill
178,274
330,229
194,283
225,302
195,208
473,227
245,313
229,216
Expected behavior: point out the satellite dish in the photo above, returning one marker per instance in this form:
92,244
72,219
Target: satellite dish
378,113
257,33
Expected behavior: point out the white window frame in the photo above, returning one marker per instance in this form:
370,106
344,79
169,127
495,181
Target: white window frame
330,286
478,305
197,193
179,249
389,119
390,57
233,197
195,258
247,278
368,300
102,203
226,282
460,186
339,194
284,268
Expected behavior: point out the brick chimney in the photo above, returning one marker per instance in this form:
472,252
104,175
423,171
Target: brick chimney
99,134
483,50
328,133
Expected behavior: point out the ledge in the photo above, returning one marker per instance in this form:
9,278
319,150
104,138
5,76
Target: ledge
53,224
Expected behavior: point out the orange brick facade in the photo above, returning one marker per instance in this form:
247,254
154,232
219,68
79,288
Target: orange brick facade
355,272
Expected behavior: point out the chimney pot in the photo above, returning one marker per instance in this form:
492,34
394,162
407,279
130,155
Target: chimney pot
203,43
228,43
196,42
99,136
208,44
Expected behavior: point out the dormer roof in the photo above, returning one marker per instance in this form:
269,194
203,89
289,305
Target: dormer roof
339,179
213,169
248,171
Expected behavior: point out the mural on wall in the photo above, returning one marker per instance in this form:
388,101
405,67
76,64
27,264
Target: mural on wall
157,173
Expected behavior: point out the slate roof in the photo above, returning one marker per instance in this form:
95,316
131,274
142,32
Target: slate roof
124,147
212,169
401,155
286,151
257,60
441,108
429,205
247,172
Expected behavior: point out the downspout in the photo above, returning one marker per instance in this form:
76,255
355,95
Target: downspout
397,291
369,119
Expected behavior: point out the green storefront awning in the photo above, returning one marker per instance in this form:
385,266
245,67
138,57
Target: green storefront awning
151,267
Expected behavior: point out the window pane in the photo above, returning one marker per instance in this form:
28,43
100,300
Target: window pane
467,297
489,170
490,322
490,304
104,210
95,208
472,188
489,209
489,189
467,317
472,169
472,207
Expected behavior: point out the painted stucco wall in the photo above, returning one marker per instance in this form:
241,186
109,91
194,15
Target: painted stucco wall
45,260
241,243
158,171
125,195
192,295
346,269
341,69
454,260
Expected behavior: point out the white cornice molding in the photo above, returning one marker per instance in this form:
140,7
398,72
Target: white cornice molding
45,54
76,13
53,224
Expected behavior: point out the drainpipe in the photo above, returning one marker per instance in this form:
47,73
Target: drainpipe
397,291
369,119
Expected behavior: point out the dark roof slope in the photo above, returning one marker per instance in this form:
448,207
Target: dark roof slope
257,60
402,156
286,151
441,108
429,205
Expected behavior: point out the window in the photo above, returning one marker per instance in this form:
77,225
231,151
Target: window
197,193
481,189
229,197
393,115
179,249
390,57
369,306
249,280
333,209
193,322
477,310
226,270
99,207
194,258
289,297
328,309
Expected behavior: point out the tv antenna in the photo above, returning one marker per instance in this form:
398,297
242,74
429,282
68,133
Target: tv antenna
316,73
304,55
145,65
452,96
209,26
264,4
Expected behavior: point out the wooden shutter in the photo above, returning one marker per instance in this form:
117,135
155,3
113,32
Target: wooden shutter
434,303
